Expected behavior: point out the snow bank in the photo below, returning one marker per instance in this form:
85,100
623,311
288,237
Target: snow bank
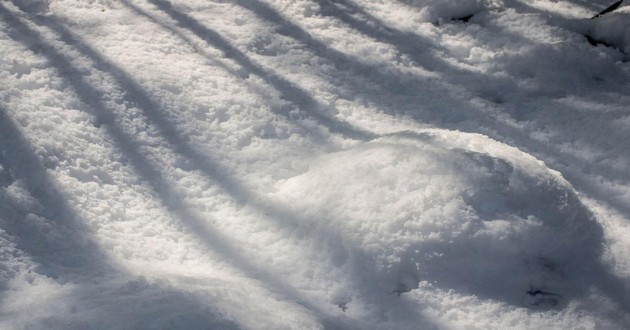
469,221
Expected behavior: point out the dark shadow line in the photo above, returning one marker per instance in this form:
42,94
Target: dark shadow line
137,96
290,29
378,30
418,48
413,45
339,60
130,148
231,185
460,115
289,91
383,34
183,37
571,24
375,28
67,252
373,79
76,255
275,212
212,170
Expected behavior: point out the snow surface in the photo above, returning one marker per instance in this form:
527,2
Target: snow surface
307,164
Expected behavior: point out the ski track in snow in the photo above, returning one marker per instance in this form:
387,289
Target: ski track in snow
314,164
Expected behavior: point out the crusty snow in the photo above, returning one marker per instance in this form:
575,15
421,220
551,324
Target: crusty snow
311,164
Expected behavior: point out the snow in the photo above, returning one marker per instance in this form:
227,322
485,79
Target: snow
613,29
314,164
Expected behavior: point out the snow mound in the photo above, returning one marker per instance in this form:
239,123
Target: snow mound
613,29
466,220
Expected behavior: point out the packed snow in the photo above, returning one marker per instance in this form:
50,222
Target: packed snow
311,164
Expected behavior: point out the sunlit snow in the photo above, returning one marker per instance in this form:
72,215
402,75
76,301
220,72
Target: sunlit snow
314,164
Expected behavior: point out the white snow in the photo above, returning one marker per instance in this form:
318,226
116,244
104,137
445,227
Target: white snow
308,164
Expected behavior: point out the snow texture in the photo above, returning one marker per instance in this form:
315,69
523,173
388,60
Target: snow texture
614,29
314,164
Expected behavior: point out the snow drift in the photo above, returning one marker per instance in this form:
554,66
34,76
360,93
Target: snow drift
423,210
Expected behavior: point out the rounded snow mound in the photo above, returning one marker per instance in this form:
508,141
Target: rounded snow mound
463,213
613,29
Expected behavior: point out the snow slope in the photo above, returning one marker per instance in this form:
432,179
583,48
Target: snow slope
307,164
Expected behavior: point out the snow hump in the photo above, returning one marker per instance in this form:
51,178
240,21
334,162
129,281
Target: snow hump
467,220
